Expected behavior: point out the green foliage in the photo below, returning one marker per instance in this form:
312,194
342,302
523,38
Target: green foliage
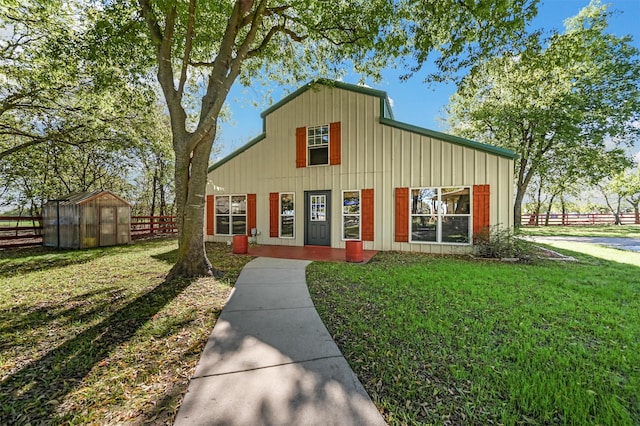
627,184
556,102
457,35
498,242
70,120
52,91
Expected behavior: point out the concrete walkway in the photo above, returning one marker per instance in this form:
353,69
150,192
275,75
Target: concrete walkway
271,361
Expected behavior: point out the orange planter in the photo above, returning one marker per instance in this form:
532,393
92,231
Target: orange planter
240,244
354,251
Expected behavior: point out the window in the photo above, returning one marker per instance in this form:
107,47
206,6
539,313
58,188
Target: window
287,214
231,214
318,145
440,215
350,215
318,212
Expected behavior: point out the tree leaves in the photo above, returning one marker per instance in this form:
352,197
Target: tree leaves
563,103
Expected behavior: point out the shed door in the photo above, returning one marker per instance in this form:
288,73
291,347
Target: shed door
107,226
317,224
124,225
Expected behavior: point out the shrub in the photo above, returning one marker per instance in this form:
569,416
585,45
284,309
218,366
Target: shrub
497,242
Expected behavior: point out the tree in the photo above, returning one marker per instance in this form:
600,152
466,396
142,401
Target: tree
201,48
153,190
568,98
68,122
613,196
52,91
627,186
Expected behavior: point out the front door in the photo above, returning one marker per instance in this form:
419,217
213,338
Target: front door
317,223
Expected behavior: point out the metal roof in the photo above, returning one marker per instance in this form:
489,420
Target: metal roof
84,197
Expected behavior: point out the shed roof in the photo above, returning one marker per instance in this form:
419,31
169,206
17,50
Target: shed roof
386,118
84,197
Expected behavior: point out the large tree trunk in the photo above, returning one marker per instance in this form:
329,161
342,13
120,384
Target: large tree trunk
191,183
636,211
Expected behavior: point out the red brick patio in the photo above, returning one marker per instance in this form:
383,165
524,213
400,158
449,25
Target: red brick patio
316,253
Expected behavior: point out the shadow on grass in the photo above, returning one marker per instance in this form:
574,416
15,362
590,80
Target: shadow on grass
31,394
168,257
25,260
78,309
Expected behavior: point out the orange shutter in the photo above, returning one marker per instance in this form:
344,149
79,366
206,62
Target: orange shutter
402,215
367,214
210,219
480,208
301,147
251,212
274,210
335,148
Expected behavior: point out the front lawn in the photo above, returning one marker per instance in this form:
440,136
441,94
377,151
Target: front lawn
441,340
98,337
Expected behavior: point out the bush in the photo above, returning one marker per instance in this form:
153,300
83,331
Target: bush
497,242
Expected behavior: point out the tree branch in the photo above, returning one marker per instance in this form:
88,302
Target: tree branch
188,46
220,74
152,22
273,31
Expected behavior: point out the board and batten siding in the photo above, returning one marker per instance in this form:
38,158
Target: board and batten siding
373,155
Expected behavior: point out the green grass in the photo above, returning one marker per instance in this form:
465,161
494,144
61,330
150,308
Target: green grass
627,231
98,337
441,340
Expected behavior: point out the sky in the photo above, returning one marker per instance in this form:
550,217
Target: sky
414,101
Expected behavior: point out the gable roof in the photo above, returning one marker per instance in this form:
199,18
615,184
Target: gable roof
386,118
84,197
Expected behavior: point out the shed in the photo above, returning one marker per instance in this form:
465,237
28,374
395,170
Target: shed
87,219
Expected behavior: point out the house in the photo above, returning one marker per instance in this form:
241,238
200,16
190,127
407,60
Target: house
332,165
86,219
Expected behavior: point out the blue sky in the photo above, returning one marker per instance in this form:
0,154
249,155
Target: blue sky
414,102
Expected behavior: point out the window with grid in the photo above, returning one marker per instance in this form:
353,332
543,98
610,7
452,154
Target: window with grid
231,214
318,145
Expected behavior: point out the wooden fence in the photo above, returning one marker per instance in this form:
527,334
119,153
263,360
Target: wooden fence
19,231
146,226
571,219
